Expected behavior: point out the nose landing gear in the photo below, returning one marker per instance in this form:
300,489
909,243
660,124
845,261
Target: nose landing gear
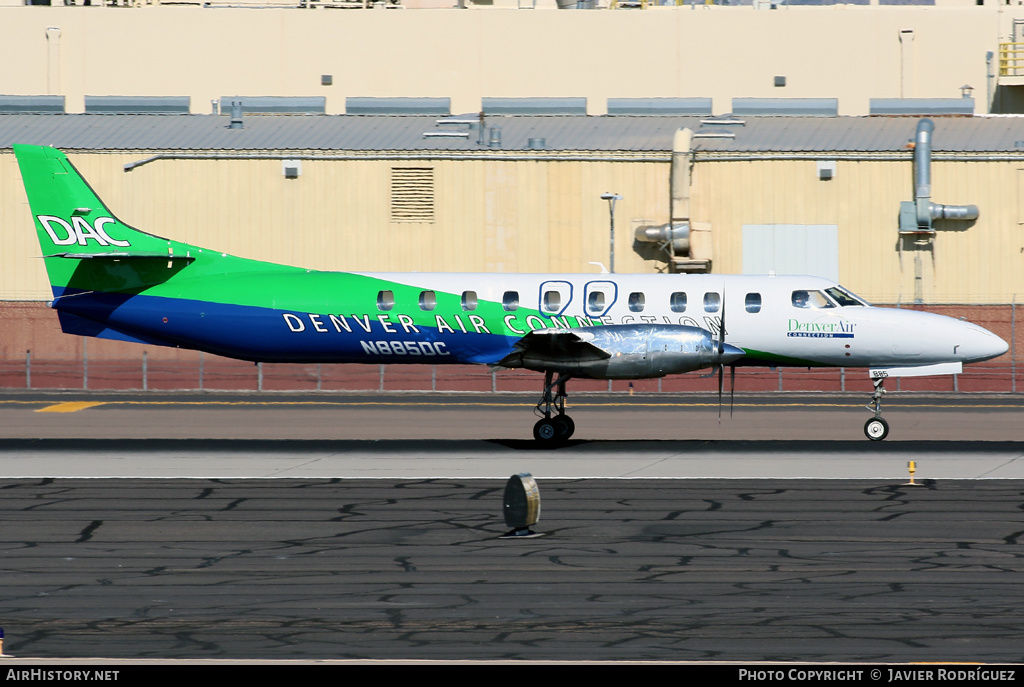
554,426
876,428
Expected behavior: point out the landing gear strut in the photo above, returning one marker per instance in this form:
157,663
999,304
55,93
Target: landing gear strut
876,428
554,426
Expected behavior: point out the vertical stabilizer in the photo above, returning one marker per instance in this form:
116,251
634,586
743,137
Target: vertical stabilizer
70,219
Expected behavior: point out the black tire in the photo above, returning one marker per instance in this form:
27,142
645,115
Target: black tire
545,431
876,429
565,427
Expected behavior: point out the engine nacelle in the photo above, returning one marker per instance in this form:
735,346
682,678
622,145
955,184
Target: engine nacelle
635,352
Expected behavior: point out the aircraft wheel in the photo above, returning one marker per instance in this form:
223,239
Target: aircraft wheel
545,431
876,429
565,426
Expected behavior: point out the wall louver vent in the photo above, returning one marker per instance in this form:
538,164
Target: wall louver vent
412,194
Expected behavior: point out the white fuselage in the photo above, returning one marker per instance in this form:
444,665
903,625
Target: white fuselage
831,328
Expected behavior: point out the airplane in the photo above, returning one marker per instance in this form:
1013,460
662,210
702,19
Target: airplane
113,281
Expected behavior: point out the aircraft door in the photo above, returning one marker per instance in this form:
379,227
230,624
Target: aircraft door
554,297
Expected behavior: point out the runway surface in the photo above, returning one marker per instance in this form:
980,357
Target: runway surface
244,530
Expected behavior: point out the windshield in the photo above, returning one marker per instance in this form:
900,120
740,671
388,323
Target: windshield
810,299
844,297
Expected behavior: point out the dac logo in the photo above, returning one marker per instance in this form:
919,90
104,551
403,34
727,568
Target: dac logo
79,231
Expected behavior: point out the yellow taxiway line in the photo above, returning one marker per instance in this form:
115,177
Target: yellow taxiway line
69,407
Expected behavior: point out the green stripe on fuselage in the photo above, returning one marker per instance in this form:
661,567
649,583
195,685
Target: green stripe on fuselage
755,357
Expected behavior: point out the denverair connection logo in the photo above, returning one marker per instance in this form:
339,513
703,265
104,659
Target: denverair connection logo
833,329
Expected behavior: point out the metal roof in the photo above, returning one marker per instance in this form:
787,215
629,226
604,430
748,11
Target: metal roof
620,134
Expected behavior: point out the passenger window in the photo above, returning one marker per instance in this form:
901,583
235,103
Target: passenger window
469,300
753,302
385,300
428,300
552,301
636,302
595,302
678,302
712,301
510,301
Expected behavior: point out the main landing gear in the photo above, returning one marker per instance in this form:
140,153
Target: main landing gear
876,428
554,426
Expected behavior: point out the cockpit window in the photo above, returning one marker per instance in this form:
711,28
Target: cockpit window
844,297
810,299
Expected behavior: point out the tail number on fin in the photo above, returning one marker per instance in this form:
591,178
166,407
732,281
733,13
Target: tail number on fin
78,231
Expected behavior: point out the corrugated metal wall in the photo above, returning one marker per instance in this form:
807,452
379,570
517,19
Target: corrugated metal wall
547,216
504,216
968,262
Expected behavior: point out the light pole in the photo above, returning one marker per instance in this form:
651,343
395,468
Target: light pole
611,198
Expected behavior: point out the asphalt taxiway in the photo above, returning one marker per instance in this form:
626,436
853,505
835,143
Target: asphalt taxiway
254,527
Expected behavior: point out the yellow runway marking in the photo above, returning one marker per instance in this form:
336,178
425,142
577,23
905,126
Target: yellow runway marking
70,407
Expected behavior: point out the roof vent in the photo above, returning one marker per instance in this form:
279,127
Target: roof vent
921,106
698,107
535,106
787,107
398,106
137,104
279,104
31,104
236,115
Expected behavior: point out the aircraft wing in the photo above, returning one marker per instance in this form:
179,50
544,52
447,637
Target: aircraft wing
556,346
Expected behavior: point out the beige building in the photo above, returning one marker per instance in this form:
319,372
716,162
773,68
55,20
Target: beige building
353,154
406,193
532,202
853,53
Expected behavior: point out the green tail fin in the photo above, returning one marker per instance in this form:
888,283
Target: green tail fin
71,220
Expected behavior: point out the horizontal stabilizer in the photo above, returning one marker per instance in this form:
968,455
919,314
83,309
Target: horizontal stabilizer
122,256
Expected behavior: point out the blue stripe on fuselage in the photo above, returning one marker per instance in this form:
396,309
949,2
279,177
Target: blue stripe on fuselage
263,334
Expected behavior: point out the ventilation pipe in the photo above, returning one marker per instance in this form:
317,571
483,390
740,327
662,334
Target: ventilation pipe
236,115
926,211
688,243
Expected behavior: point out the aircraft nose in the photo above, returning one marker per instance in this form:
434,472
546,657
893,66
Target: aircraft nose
980,344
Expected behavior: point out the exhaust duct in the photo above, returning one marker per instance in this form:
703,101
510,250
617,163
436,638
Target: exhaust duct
922,210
